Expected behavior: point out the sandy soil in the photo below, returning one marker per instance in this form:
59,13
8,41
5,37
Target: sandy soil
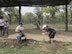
40,37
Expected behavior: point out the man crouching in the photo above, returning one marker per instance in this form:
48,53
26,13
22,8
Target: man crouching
20,31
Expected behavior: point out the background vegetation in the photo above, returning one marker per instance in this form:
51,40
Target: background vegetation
50,15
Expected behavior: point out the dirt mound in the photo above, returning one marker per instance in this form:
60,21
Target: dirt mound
12,43
41,45
54,47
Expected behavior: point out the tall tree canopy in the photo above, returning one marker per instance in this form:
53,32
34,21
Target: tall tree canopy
12,12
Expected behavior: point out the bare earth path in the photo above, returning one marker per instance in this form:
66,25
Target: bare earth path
40,37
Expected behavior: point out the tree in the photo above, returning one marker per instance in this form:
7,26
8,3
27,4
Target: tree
70,11
39,14
51,10
28,17
11,11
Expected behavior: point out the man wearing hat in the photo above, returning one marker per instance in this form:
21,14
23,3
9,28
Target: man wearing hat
20,30
52,32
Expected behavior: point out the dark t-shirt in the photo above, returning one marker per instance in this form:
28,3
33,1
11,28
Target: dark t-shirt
50,30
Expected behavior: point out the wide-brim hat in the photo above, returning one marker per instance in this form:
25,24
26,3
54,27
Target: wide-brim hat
43,26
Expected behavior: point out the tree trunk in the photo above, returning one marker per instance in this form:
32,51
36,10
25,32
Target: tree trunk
38,24
71,18
9,18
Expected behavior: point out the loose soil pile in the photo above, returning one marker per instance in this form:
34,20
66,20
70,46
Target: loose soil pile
43,45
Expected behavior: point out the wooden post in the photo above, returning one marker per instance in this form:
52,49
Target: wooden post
66,19
19,13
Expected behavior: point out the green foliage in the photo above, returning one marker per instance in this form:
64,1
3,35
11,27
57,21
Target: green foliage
39,13
51,12
28,17
12,13
1,12
70,12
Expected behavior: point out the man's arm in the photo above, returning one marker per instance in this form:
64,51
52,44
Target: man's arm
17,29
44,32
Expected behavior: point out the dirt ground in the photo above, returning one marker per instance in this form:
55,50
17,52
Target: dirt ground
40,37
11,41
33,37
